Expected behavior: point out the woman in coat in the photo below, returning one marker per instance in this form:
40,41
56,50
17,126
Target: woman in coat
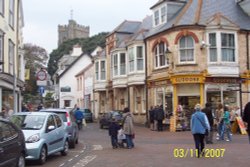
246,118
128,128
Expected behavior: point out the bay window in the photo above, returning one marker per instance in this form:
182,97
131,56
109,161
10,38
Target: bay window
115,65
122,64
119,64
222,47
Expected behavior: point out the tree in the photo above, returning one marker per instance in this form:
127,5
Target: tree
36,58
87,44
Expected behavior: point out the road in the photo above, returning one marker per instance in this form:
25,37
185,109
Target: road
152,149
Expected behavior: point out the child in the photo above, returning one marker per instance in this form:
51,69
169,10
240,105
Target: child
113,132
121,138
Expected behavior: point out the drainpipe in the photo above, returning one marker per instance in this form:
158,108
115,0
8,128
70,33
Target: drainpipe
146,86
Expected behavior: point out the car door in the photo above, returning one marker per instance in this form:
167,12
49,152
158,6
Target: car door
51,135
60,132
9,145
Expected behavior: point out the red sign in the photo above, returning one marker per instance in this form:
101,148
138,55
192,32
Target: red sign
41,75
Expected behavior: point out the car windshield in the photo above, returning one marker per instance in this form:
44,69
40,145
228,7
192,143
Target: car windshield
28,122
61,114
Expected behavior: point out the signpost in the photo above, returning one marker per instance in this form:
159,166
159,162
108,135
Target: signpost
41,81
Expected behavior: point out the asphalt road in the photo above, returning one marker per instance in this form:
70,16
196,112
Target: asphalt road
152,149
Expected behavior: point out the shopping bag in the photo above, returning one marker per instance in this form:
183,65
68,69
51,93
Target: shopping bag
84,122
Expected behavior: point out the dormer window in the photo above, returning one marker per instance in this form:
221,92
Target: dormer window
160,16
164,11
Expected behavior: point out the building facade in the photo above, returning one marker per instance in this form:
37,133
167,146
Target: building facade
190,52
11,55
72,31
197,56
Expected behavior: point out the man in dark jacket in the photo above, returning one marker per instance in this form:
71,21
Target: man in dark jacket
209,113
246,118
113,132
160,117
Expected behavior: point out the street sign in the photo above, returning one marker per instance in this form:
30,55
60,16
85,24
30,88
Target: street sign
41,75
41,90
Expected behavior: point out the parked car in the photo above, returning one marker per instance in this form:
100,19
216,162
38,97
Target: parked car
68,118
12,145
106,118
44,133
88,116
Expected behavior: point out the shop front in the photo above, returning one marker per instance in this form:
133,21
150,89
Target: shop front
222,91
188,90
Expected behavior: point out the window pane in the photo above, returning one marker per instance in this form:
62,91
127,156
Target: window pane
97,70
182,54
156,15
190,54
131,59
139,52
161,48
213,55
182,42
139,58
223,40
140,64
190,42
163,14
212,39
103,70
231,40
162,60
122,64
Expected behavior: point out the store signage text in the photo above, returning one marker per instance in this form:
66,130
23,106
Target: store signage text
187,80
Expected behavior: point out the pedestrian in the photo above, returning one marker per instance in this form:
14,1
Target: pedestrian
79,116
151,117
39,107
219,120
246,118
113,133
160,117
128,128
209,113
226,128
199,124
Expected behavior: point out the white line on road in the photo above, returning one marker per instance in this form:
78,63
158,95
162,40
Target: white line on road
70,159
61,164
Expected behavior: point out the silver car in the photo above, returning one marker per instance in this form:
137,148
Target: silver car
44,134
69,121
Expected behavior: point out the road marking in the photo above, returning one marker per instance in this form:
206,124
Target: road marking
70,159
87,160
76,156
97,147
61,164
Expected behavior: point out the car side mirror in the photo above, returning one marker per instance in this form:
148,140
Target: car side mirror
50,128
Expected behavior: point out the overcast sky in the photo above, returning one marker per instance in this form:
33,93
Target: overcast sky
42,17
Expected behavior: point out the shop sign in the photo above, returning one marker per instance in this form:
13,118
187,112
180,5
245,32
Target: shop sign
187,79
65,89
158,83
223,80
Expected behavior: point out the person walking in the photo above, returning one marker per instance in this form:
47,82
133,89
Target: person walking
226,128
199,124
128,128
79,116
246,118
219,120
209,113
113,133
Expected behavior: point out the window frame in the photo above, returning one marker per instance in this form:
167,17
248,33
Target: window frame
159,17
122,64
139,58
102,70
218,38
186,49
157,54
11,13
1,49
131,59
97,70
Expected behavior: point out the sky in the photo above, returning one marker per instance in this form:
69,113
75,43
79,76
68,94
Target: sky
42,17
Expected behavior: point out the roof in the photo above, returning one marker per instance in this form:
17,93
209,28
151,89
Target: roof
199,12
74,62
127,27
84,70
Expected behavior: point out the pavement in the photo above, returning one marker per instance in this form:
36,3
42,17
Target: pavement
161,149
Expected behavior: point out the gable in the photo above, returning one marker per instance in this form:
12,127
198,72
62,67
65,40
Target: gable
218,20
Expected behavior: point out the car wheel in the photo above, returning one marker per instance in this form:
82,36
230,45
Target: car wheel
21,161
77,140
65,148
43,155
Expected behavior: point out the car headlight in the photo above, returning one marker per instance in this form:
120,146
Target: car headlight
34,138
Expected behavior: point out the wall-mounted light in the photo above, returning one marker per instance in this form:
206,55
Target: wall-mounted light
204,45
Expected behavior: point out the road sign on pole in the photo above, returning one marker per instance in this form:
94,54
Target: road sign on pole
41,78
41,90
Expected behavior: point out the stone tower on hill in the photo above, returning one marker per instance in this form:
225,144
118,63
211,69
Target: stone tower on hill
71,31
